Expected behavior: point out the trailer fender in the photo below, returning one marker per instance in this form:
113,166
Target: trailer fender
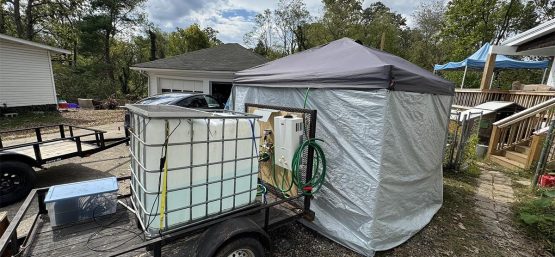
11,156
218,235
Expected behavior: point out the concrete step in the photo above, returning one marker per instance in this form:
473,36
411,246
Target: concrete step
522,149
506,162
516,156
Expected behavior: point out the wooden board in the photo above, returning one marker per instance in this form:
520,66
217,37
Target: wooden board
266,168
54,149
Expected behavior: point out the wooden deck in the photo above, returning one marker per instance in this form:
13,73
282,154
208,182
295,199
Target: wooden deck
111,233
54,149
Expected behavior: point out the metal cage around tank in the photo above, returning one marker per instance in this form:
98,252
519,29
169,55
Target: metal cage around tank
148,210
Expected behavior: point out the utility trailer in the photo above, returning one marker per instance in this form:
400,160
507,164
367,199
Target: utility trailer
241,232
17,176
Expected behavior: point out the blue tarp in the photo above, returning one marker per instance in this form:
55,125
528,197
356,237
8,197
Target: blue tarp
478,59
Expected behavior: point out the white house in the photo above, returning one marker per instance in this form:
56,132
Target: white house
26,78
209,70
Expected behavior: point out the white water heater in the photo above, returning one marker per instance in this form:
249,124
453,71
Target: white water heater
288,134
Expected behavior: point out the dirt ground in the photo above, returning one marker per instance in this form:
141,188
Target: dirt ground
458,229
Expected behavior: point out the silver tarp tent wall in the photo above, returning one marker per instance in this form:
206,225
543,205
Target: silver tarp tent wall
384,122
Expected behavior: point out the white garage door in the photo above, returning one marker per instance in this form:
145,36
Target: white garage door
180,85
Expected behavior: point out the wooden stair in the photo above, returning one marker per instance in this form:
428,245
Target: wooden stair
516,158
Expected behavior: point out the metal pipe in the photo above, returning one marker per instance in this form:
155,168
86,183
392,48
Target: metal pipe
464,75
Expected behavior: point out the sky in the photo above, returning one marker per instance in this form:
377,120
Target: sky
234,18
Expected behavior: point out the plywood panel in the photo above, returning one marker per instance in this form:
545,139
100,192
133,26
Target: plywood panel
267,168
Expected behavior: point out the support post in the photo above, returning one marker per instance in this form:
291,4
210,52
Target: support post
488,71
464,76
494,139
543,76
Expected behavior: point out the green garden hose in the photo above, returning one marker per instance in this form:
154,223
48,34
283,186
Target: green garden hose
319,167
318,175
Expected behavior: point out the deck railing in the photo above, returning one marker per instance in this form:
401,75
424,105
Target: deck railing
519,128
472,97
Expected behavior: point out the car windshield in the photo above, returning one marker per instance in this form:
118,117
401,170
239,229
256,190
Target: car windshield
160,99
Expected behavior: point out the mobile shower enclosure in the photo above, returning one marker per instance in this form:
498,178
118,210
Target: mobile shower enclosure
210,157
384,123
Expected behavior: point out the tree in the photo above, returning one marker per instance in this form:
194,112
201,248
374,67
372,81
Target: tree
427,47
262,31
190,39
471,23
106,18
342,18
290,18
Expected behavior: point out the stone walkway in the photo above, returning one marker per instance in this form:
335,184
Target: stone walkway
494,197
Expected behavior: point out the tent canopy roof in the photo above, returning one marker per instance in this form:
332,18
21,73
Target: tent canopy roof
344,63
478,60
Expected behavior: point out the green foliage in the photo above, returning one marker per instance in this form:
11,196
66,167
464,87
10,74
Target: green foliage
282,31
470,157
539,217
187,40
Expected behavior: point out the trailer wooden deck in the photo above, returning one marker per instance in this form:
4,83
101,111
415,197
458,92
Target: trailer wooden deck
108,234
54,149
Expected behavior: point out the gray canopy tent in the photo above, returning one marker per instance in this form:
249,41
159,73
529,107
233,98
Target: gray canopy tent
384,123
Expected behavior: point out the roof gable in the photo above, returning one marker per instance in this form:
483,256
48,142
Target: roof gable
33,44
225,57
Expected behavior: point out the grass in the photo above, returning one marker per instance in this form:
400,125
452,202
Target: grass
535,211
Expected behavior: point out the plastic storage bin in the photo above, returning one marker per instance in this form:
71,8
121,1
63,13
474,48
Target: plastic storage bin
212,163
79,201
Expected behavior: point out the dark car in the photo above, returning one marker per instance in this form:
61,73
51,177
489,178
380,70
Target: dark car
188,100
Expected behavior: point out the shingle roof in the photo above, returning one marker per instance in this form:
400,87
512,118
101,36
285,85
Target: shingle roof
224,57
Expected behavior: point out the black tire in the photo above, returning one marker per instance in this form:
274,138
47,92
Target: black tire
246,244
16,181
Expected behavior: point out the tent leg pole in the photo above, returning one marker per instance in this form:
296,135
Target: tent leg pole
464,76
543,77
491,80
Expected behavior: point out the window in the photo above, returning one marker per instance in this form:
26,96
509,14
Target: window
212,103
196,101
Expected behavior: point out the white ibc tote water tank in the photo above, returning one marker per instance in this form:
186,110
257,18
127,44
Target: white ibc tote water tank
212,163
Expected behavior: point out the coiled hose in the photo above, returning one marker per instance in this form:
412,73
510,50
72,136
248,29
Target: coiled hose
318,167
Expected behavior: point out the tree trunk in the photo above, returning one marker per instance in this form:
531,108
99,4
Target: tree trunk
74,55
29,31
17,19
152,45
107,59
2,18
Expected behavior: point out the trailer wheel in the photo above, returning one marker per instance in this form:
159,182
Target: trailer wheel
16,180
242,247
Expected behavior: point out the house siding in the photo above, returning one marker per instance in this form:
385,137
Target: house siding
25,76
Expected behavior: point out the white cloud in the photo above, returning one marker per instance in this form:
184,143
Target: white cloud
234,18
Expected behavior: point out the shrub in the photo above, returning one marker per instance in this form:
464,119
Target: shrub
539,216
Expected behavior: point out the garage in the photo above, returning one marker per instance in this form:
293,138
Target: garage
208,71
180,85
